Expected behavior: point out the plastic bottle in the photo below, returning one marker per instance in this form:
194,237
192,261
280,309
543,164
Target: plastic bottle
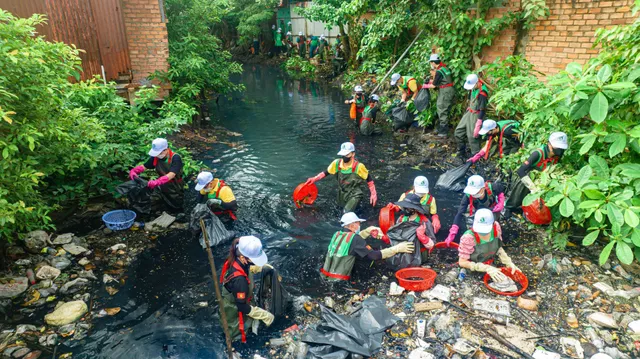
408,303
462,275
594,338
451,275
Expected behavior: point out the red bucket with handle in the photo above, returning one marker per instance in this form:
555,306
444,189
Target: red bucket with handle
305,194
387,218
537,212
517,277
416,279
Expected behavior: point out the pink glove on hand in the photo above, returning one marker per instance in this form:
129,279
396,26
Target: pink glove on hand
422,237
374,195
476,131
312,180
477,156
499,205
158,182
452,234
135,171
435,220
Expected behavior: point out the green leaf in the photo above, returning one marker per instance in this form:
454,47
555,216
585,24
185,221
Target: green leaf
629,170
598,216
593,194
606,252
618,145
624,252
635,237
574,68
590,204
583,176
588,141
619,86
530,198
634,74
604,74
579,109
554,200
599,166
590,238
567,207
581,95
599,108
614,214
631,218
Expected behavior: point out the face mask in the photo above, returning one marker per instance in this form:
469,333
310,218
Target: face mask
206,189
346,159
477,195
408,212
161,156
558,152
358,230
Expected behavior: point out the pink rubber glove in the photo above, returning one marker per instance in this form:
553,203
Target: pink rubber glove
374,195
428,86
312,180
435,220
500,205
452,234
476,131
422,237
135,171
158,182
477,156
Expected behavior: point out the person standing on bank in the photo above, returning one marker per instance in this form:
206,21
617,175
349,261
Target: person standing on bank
246,258
368,120
168,165
302,45
478,195
407,85
468,128
351,176
349,242
443,81
506,133
539,160
216,194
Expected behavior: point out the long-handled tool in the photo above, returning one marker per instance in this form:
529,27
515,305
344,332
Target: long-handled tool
214,273
397,62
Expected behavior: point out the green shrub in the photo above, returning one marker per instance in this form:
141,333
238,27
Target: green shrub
298,67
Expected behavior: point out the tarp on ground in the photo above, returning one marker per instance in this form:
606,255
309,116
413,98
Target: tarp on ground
216,231
138,195
453,179
404,232
338,336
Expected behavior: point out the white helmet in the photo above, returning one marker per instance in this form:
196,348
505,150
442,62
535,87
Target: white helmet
421,185
300,33
394,79
434,57
358,89
559,140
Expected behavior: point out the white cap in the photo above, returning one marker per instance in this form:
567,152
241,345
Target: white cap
157,146
358,89
483,221
472,80
288,32
289,23
487,125
251,247
349,218
346,148
474,184
375,97
421,185
273,26
434,57
394,79
322,36
204,178
559,140
300,33
279,30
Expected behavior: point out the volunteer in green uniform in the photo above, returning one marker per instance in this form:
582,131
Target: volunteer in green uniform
483,243
478,194
313,46
368,120
246,258
468,128
278,41
443,81
413,210
351,176
360,101
349,242
506,133
168,165
407,85
216,194
322,44
302,45
289,44
338,62
428,202
539,160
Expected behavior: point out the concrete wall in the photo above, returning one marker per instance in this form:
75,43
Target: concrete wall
299,23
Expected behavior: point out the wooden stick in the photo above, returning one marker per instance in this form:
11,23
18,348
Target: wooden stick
214,274
397,62
506,343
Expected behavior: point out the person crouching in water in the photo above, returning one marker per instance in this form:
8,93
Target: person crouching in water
349,242
358,102
217,195
367,122
482,244
412,211
246,258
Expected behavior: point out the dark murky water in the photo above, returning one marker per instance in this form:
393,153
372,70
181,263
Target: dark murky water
291,130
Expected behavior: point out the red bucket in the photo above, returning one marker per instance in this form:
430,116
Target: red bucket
537,212
426,275
518,277
439,245
305,193
387,218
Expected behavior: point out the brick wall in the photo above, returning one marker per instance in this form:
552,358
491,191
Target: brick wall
566,35
146,36
505,42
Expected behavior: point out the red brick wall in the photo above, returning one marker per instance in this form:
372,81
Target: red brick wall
146,36
566,35
504,44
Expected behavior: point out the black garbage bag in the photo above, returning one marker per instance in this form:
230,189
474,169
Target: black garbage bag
404,232
216,231
338,336
138,195
422,100
453,179
402,119
272,296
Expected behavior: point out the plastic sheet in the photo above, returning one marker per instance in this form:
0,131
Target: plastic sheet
452,180
402,119
215,229
138,195
272,296
422,100
337,336
404,232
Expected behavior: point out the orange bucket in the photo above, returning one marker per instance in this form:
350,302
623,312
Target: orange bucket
387,218
305,193
518,277
537,212
439,245
406,278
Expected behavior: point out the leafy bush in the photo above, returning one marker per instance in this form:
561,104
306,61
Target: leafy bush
298,67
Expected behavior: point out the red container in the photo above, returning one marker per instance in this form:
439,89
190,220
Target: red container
439,245
518,277
537,212
305,193
428,278
387,218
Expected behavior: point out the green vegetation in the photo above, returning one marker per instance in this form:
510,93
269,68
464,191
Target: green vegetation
298,67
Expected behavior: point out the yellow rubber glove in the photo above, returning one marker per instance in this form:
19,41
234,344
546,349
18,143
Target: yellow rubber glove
258,313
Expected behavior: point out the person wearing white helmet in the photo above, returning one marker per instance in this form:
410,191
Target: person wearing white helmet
367,122
278,42
443,81
288,41
467,131
358,103
246,257
506,133
483,243
302,45
216,194
349,242
168,165
351,175
428,202
322,47
408,86
478,194
539,160
313,46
